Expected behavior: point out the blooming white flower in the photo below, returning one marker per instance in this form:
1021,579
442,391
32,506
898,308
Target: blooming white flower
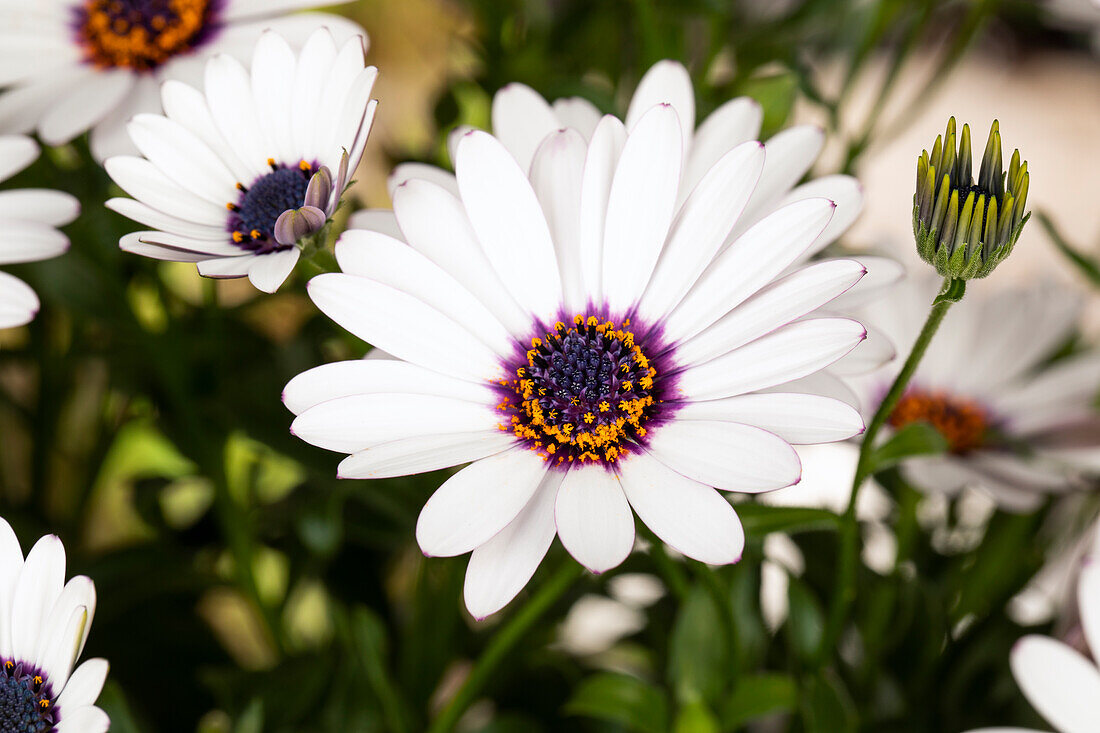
236,178
28,231
1015,428
44,623
71,65
1061,683
589,344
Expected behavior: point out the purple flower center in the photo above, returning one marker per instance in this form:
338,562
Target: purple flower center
252,218
26,700
142,34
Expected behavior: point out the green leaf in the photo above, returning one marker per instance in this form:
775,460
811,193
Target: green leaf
755,696
915,439
776,94
369,637
1089,266
826,705
695,717
699,663
806,621
761,519
619,698
252,719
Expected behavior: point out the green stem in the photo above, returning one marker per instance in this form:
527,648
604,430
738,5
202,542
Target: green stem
845,591
670,570
502,643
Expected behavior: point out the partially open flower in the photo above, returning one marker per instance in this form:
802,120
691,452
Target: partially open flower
965,228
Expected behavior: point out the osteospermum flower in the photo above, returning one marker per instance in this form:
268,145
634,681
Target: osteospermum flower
28,233
1015,427
587,344
44,623
1062,684
74,65
243,177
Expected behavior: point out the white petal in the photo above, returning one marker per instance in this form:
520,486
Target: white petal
317,57
16,153
84,720
354,423
882,273
396,264
248,9
142,180
404,172
373,376
109,136
205,246
747,265
701,228
478,502
271,270
78,593
640,206
1060,683
796,418
579,114
226,267
666,82
599,169
27,241
506,215
788,156
844,191
37,589
423,453
789,353
726,455
228,91
521,119
774,589
1088,597
776,305
55,208
11,563
435,224
348,89
61,647
501,567
184,158
133,244
403,326
735,122
376,220
593,518
272,67
85,106
556,175
691,518
84,685
187,106
155,219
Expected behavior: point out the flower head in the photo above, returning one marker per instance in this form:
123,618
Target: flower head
44,623
965,228
28,219
590,344
242,178
94,64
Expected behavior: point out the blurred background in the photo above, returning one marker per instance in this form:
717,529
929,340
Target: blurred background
243,588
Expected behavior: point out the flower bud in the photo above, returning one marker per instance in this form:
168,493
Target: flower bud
963,227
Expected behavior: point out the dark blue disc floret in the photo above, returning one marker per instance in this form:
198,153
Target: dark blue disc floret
26,700
252,218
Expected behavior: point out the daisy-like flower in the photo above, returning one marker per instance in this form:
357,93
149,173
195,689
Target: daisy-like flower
28,233
1016,428
74,65
44,623
244,176
588,343
1062,684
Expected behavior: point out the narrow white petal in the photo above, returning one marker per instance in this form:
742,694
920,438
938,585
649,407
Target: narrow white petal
726,455
85,106
1070,698
789,353
78,593
521,119
478,502
796,418
203,246
38,588
556,175
640,206
593,518
423,453
509,222
133,244
317,57
347,89
226,267
18,303
788,155
774,588
735,122
1088,597
376,220
184,158
84,720
109,136
501,567
84,685
666,82
354,423
599,170
16,153
11,563
272,67
271,270
747,265
404,172
882,273
403,326
844,191
187,106
156,219
579,114
43,205
691,518
28,241
142,180
61,647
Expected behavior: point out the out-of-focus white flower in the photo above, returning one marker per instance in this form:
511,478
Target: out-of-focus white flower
596,623
74,65
1047,595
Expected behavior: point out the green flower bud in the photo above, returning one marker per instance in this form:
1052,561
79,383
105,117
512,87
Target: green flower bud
963,227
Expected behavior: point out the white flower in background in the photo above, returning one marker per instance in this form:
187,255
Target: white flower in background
239,177
595,623
588,344
522,119
1048,594
1017,428
28,233
74,65
1080,15
1061,683
44,623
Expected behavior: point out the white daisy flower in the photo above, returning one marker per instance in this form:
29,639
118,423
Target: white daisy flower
238,178
74,65
29,231
44,623
588,344
1016,428
1062,684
